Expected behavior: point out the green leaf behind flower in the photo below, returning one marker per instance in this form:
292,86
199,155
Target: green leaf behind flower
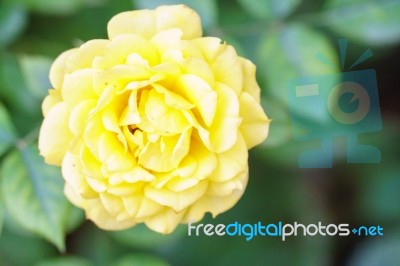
52,7
269,9
36,72
13,19
32,193
290,51
18,248
65,261
14,93
207,9
142,237
374,22
7,131
140,260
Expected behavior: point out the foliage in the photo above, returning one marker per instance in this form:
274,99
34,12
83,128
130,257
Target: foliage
38,226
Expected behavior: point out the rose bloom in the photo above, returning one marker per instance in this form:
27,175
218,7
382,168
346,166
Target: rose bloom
152,125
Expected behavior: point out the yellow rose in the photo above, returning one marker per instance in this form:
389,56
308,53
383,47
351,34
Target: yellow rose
152,125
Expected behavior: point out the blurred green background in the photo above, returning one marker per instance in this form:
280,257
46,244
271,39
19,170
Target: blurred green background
39,227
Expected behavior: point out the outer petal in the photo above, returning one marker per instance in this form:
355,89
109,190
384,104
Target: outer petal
78,86
51,100
55,136
249,78
255,125
216,204
165,221
210,46
59,68
224,130
231,163
141,22
71,171
148,22
227,68
85,55
139,207
96,212
176,200
179,16
118,51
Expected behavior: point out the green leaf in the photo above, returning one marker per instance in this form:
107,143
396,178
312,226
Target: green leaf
290,52
12,21
12,84
207,9
7,131
142,237
54,7
1,216
19,249
65,261
382,251
23,106
36,70
33,194
95,245
279,130
75,219
378,198
140,260
269,9
374,22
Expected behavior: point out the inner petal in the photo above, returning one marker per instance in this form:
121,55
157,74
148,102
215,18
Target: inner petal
199,92
167,120
166,153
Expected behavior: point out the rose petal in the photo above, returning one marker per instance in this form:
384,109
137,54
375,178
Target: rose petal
55,136
51,100
141,22
78,117
112,204
231,162
199,92
59,68
200,68
165,221
139,207
119,50
168,39
227,69
71,171
249,79
176,200
205,163
224,129
255,125
147,22
215,204
113,154
85,55
167,120
78,86
119,77
96,212
179,16
165,154
210,46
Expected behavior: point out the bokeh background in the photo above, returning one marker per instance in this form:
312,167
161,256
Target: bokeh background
39,227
